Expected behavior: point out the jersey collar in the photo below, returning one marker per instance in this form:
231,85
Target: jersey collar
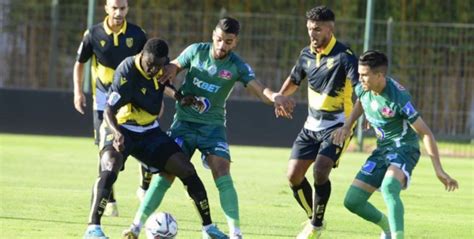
327,49
142,72
109,31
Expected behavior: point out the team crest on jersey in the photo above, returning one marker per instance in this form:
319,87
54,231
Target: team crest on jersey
212,70
102,43
374,105
129,42
387,112
225,74
330,63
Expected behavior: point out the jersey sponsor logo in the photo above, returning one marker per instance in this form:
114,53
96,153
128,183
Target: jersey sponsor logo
330,63
379,133
225,74
409,110
387,112
102,43
212,70
143,91
202,104
205,86
114,97
251,73
129,42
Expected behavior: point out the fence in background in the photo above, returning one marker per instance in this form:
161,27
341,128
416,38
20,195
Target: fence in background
434,61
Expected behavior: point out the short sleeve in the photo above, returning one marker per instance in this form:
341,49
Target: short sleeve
246,73
297,73
358,90
120,91
407,110
351,67
185,58
85,51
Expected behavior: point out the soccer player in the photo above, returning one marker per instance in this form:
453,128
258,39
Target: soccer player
107,44
212,71
388,107
331,70
131,128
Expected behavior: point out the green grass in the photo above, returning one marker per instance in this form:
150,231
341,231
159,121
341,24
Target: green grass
45,185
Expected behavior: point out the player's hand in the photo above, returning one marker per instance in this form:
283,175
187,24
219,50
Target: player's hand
187,100
340,135
79,102
284,106
169,73
450,184
118,142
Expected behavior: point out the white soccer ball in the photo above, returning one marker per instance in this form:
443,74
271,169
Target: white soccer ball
161,225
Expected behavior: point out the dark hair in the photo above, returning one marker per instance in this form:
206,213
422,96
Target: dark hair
229,25
320,13
375,60
157,47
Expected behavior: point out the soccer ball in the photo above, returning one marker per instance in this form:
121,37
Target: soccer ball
161,225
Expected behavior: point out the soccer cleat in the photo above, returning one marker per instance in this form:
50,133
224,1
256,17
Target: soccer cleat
385,235
212,232
311,232
94,232
141,193
111,210
131,233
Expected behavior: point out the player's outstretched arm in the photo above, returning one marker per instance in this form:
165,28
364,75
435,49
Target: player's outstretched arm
283,105
79,97
432,149
340,134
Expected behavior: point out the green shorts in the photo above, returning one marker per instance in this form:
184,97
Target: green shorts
375,167
208,139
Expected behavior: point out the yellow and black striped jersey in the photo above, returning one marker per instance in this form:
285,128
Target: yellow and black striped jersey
331,76
135,97
107,49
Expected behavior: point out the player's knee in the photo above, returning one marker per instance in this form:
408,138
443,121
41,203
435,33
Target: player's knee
294,179
111,161
351,204
321,175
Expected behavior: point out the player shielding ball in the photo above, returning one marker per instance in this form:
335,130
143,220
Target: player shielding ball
388,107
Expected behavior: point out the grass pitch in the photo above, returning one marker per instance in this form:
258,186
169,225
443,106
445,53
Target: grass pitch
45,185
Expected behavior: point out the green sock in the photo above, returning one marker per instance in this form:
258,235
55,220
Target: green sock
356,201
391,188
153,197
229,201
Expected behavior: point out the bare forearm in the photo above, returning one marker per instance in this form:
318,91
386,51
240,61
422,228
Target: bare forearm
109,116
78,76
288,87
357,111
432,150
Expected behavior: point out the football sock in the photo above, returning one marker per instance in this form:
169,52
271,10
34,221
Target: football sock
229,201
303,194
101,194
112,194
153,197
145,178
198,194
321,198
391,188
356,202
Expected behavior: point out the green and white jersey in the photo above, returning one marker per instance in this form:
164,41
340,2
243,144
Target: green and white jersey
211,81
390,114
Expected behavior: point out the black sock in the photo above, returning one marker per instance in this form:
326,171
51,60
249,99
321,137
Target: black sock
145,178
321,198
198,193
101,193
303,193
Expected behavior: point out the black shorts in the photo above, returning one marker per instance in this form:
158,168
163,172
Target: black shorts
309,144
98,117
152,148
